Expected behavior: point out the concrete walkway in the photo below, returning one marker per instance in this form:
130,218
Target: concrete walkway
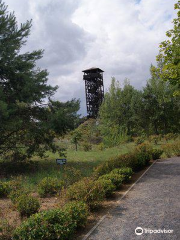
152,204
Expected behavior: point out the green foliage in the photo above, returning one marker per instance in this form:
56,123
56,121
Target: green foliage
119,105
27,205
170,136
170,52
87,190
13,187
4,189
155,138
6,230
144,154
172,149
156,154
76,137
79,212
115,178
49,186
135,160
139,140
86,146
176,148
15,194
126,172
71,175
89,131
107,186
27,125
52,224
127,113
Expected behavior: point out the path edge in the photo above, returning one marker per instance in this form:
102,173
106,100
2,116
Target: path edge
128,190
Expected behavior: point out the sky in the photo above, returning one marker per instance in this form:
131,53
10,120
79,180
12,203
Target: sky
119,36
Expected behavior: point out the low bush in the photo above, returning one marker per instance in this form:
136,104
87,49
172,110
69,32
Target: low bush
15,194
143,153
139,140
49,186
86,146
51,224
87,190
176,148
7,187
27,205
135,160
6,230
79,212
4,189
115,178
170,136
107,186
172,149
126,172
155,139
168,150
156,154
71,175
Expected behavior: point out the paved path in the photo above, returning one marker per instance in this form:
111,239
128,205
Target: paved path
153,203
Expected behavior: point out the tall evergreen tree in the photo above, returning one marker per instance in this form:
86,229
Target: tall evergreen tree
27,125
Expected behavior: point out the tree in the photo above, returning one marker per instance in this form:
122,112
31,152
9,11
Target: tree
160,112
170,53
29,119
76,137
116,113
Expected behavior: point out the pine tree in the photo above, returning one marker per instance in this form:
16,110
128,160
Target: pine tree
27,125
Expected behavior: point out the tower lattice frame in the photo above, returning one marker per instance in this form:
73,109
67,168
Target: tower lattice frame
94,89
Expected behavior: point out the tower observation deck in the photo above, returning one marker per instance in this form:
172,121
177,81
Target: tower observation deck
94,89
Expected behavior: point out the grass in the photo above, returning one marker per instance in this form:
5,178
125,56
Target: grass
80,160
83,161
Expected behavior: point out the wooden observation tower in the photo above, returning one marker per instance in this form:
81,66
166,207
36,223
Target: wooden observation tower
94,89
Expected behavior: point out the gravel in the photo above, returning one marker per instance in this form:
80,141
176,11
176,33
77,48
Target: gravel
153,203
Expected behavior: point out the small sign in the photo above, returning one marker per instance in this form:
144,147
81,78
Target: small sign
61,161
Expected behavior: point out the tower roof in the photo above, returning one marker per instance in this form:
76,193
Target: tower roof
93,69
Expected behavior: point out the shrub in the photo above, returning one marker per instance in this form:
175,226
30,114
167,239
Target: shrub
102,169
101,146
87,190
136,160
15,194
107,186
139,140
176,148
126,172
4,189
115,178
171,149
156,154
143,155
27,205
170,136
155,138
167,149
79,212
71,175
49,186
7,187
51,224
86,146
6,230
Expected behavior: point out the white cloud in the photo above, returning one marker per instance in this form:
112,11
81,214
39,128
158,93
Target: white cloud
121,37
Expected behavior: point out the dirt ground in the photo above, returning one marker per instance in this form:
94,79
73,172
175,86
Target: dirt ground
8,211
